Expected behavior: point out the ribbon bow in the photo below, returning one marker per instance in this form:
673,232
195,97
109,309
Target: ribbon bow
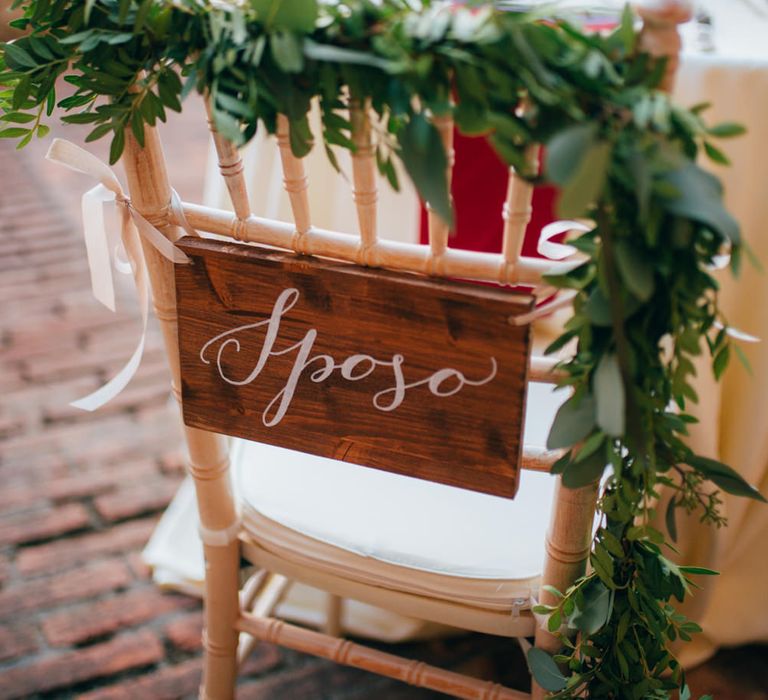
104,252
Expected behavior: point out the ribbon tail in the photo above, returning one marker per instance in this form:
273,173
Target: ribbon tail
114,386
557,303
97,245
78,159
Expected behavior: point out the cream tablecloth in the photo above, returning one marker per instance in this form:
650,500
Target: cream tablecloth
734,414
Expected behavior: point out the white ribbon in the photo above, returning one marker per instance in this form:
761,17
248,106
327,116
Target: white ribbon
559,251
554,251
103,248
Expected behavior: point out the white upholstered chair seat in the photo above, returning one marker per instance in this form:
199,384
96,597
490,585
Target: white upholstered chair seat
399,533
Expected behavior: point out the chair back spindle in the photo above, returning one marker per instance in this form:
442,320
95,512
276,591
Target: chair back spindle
516,213
365,190
231,168
295,181
437,227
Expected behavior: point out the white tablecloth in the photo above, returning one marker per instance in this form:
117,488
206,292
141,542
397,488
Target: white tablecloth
734,415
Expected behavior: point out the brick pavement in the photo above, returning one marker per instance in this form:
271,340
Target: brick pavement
81,492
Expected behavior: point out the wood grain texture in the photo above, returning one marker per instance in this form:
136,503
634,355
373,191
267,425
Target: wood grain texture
470,439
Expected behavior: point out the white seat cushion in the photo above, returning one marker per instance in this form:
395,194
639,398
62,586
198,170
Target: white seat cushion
404,533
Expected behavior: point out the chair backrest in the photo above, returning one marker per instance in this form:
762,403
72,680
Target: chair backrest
360,353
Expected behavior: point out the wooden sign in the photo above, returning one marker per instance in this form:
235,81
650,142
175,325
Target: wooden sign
387,370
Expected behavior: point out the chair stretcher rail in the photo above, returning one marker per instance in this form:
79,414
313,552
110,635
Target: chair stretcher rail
358,656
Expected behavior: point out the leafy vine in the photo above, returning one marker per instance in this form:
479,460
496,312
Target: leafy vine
622,153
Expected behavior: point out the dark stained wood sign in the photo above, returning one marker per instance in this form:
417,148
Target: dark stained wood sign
387,370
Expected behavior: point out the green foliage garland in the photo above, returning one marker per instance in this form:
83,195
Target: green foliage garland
622,153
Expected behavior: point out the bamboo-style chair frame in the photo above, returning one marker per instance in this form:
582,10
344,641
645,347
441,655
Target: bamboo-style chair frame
228,611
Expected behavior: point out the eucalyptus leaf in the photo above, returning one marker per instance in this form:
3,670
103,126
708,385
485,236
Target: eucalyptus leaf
17,57
595,608
584,472
636,270
287,52
586,185
566,151
574,420
725,477
608,389
421,149
337,54
700,198
289,15
670,520
545,670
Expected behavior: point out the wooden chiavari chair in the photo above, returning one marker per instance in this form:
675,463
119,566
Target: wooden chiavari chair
283,554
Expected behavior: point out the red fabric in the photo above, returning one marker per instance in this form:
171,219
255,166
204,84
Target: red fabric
479,187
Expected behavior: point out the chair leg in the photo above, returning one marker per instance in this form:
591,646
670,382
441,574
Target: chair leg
221,610
568,544
219,527
333,610
209,464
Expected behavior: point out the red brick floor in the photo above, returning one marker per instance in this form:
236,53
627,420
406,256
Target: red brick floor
81,492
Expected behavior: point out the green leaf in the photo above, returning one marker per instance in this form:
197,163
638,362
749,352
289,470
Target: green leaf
601,556
290,15
593,443
669,519
300,137
13,132
727,130
715,154
98,132
553,623
598,309
743,359
720,361
337,54
594,609
588,470
17,57
545,670
18,117
635,269
612,543
574,420
577,162
586,185
725,477
117,145
423,155
286,50
81,118
698,570
700,199
566,151
608,389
